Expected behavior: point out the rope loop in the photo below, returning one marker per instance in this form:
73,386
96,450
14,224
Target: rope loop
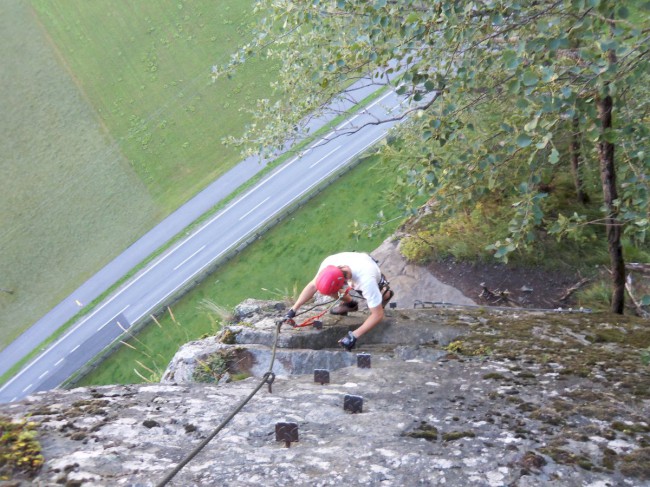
269,377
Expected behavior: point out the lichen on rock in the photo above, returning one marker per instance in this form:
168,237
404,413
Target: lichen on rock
542,404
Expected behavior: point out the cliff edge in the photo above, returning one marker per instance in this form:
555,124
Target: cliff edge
450,396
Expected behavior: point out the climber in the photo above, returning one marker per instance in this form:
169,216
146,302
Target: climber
362,274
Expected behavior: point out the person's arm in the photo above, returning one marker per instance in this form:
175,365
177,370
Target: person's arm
376,315
305,295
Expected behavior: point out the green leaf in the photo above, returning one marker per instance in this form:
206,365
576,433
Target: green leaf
510,59
548,75
522,103
530,78
532,125
554,157
501,252
411,18
514,86
610,136
524,140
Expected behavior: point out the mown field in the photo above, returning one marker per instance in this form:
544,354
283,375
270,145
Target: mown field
275,267
69,197
110,122
146,68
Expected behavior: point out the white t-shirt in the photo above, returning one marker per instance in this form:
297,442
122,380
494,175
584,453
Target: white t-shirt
366,274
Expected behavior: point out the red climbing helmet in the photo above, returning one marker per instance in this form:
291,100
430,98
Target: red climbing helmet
330,280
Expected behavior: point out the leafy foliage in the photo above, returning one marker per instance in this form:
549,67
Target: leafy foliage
539,65
211,369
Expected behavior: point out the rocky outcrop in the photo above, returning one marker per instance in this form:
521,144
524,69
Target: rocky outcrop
246,349
412,283
453,397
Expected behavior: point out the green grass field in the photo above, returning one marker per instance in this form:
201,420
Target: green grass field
146,68
110,121
274,267
69,198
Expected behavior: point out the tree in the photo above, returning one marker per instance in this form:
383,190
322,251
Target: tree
545,65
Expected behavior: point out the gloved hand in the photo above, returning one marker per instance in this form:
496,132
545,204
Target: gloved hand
348,342
288,318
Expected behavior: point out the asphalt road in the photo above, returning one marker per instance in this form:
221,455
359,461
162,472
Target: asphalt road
163,277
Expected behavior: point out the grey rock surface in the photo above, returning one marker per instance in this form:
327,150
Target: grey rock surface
498,408
246,349
413,283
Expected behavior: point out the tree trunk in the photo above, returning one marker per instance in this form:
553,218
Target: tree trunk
608,179
575,161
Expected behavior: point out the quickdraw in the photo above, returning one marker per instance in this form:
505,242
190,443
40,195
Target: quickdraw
311,321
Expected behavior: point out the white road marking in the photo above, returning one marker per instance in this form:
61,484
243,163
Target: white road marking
325,156
43,374
280,210
167,254
189,257
58,362
118,314
28,387
346,123
365,110
248,213
378,100
74,349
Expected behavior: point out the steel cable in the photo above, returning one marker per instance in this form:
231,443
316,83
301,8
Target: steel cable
268,378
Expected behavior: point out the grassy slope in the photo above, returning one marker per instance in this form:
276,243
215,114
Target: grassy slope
110,121
68,196
146,68
274,267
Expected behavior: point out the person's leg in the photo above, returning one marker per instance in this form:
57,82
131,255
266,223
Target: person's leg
386,295
386,292
347,305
